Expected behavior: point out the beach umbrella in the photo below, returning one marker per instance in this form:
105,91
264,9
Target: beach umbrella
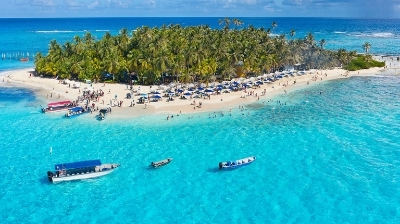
187,94
180,90
200,88
209,91
157,92
156,97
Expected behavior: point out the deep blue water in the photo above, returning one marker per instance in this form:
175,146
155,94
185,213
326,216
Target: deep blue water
321,158
23,37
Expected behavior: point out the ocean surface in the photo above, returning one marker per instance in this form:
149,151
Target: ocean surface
329,153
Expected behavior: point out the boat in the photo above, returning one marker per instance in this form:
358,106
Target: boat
58,106
75,111
102,114
80,170
24,59
160,163
236,163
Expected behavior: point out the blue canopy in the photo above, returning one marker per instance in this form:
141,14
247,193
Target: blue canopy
187,94
209,91
76,109
156,96
77,165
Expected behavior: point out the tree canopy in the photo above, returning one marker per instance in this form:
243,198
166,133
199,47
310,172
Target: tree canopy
187,53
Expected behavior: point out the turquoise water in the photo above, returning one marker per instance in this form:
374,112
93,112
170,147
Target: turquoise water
326,154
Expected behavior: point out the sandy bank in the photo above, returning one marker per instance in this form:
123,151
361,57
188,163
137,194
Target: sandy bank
51,90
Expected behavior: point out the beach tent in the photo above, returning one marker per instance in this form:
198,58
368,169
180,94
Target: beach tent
76,85
88,88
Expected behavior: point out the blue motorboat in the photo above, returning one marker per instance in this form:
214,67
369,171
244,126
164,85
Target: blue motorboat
75,111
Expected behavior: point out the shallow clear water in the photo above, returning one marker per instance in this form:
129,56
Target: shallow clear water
325,154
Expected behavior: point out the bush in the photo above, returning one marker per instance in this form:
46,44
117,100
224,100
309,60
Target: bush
363,62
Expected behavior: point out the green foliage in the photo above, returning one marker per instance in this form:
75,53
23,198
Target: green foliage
363,62
194,53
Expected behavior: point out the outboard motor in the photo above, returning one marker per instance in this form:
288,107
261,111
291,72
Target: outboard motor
220,165
50,175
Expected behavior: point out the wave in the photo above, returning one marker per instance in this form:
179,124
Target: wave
383,35
339,32
59,31
374,35
102,30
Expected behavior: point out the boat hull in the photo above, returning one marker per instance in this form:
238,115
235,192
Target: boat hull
102,170
160,163
47,110
237,163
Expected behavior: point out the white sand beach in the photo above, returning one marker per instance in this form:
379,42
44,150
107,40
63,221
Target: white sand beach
52,90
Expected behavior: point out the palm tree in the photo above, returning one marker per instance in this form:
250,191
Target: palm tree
292,33
185,52
274,25
366,47
322,43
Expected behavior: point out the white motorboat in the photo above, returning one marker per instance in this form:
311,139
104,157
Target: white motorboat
236,163
80,170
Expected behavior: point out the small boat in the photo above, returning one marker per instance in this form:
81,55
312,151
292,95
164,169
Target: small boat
24,59
160,163
58,106
80,170
75,111
102,114
236,163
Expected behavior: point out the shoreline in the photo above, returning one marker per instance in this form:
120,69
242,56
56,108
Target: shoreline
51,90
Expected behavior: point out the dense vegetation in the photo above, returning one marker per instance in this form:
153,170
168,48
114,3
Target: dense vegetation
185,53
363,62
